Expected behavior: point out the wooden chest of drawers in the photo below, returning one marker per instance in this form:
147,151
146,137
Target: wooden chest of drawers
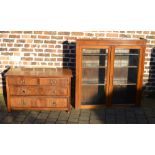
38,88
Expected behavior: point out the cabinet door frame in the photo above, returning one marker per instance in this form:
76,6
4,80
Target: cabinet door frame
140,71
79,75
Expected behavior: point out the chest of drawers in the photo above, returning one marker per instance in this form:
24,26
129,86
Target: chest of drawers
38,89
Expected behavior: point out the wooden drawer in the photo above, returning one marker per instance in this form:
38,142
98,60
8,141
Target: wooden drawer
38,90
38,102
22,81
63,82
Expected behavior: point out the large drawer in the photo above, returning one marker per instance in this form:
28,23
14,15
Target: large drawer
23,81
38,90
63,82
38,102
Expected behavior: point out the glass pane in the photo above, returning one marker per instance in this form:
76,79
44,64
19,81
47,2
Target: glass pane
94,64
125,75
124,94
93,95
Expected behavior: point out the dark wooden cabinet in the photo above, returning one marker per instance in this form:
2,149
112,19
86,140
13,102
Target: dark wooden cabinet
38,88
109,72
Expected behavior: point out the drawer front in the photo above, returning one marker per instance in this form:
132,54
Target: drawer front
38,102
53,91
22,81
24,90
63,82
38,90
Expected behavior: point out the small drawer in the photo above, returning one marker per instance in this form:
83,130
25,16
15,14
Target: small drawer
54,81
38,90
22,81
24,90
38,102
53,91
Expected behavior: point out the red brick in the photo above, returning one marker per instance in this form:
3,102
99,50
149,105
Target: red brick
50,42
9,45
38,50
138,36
44,54
18,45
112,35
28,32
27,45
3,49
43,37
3,44
14,36
146,32
33,36
33,63
7,53
69,38
57,37
16,32
50,46
58,46
38,32
38,41
153,32
77,33
50,32
125,35
8,40
89,34
38,59
14,49
27,58
99,34
150,37
26,54
50,59
20,41
48,50
27,50
4,35
63,33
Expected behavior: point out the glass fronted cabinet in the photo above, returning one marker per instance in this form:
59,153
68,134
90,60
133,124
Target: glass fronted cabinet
109,72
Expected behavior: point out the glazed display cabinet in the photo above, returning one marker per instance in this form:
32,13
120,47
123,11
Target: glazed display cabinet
109,72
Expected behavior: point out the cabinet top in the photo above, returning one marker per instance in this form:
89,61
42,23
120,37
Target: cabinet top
141,42
41,72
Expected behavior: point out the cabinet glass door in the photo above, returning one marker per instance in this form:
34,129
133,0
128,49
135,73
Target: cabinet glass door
125,75
94,68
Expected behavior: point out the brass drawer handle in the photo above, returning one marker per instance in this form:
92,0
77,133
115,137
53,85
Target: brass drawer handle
23,91
53,103
53,82
23,102
22,81
54,92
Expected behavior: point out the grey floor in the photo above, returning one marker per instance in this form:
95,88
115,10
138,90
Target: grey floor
127,115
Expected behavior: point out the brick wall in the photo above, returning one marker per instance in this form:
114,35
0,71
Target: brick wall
57,49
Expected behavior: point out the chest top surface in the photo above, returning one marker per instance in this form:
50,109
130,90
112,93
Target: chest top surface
41,72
